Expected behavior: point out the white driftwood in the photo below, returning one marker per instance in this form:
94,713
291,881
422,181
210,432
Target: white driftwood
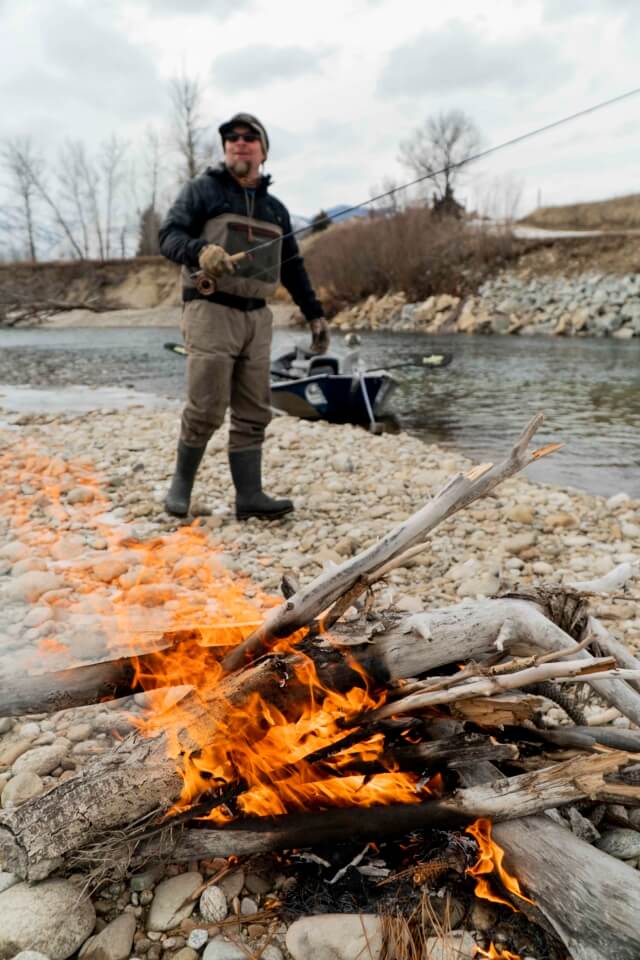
614,580
488,686
472,629
614,648
591,899
306,605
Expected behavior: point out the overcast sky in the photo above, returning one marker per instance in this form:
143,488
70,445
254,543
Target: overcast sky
339,83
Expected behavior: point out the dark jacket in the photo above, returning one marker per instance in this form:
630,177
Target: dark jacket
216,192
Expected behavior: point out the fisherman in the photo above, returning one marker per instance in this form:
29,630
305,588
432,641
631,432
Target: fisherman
227,229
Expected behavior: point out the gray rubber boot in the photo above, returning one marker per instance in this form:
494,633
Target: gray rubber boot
179,496
251,501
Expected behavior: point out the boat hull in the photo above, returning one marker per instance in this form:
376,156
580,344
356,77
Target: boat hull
338,398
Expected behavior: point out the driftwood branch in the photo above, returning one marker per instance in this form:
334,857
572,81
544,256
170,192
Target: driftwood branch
308,604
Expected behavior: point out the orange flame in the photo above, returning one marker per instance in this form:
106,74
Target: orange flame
490,860
133,594
493,953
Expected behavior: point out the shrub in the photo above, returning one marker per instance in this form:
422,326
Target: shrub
412,251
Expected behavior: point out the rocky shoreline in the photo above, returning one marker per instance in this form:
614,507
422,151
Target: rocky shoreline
591,304
80,499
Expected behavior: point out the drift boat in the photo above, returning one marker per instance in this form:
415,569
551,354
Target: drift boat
330,387
333,386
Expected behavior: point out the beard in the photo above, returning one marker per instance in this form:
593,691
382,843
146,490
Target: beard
240,167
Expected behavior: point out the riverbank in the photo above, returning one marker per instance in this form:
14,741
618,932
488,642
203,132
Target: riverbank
515,303
90,563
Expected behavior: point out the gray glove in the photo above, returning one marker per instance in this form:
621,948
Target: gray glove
320,337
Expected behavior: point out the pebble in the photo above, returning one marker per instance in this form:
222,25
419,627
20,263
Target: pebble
197,938
112,943
171,902
22,787
213,905
452,946
622,843
40,760
222,949
51,916
335,936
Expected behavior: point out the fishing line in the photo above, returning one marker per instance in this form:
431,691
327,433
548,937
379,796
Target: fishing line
476,156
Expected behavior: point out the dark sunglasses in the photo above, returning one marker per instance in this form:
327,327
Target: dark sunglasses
247,137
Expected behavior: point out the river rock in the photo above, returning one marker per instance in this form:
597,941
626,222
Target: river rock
171,901
232,884
30,955
51,916
112,943
22,787
29,587
7,880
453,946
335,936
40,760
221,949
621,843
213,905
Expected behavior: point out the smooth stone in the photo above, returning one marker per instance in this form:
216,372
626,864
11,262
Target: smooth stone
47,916
112,943
30,955
171,902
621,843
30,586
197,938
221,949
453,946
213,905
232,884
187,953
7,880
148,878
22,787
335,936
40,760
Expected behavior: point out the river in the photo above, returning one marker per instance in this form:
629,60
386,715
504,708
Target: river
588,389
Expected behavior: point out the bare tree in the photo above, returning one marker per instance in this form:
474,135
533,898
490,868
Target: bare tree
72,168
113,153
440,149
19,158
387,198
190,136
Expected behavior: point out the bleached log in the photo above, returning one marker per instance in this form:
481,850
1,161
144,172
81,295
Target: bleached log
614,648
489,686
614,580
591,899
309,603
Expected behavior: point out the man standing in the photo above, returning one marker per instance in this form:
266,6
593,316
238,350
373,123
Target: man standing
226,228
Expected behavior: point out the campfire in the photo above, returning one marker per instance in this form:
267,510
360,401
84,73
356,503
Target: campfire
417,745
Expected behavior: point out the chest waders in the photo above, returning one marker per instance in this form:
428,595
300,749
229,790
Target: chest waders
228,339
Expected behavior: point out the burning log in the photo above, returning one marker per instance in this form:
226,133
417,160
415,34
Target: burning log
519,796
591,899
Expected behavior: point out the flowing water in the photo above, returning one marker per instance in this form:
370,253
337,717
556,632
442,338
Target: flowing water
588,389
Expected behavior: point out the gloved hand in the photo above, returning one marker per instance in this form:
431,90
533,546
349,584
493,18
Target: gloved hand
320,337
215,261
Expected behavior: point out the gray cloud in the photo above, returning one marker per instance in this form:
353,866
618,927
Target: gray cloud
457,57
86,60
563,9
255,66
215,8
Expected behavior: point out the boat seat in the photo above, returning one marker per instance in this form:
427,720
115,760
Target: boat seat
323,365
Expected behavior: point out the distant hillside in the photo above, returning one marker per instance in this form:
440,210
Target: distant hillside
619,213
344,212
